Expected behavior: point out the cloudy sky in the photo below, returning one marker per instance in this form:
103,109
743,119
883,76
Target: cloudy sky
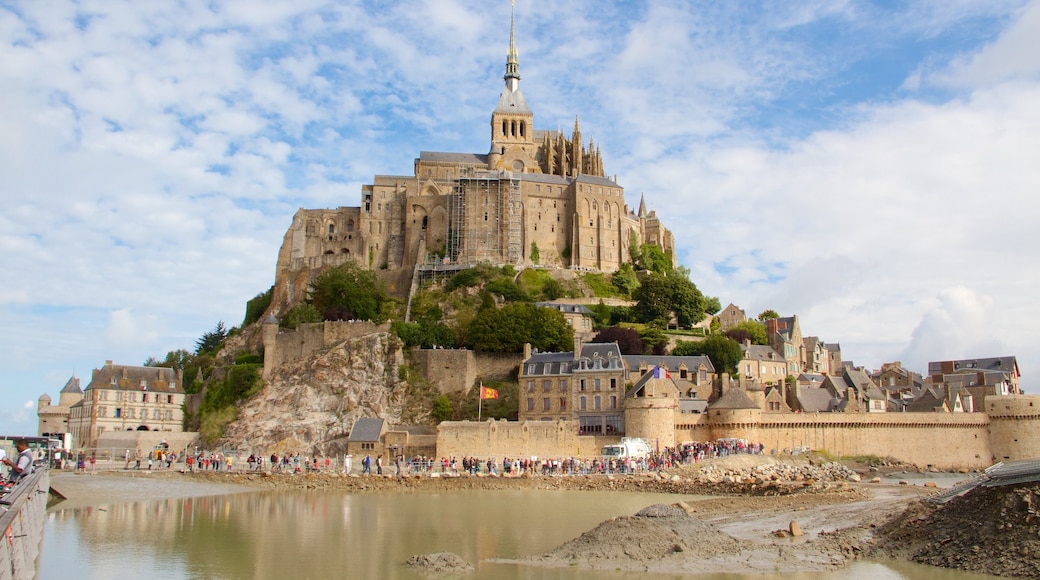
870,166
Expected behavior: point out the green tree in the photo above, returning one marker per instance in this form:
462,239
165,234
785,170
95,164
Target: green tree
724,353
535,254
506,329
752,330
211,341
552,289
625,279
654,340
256,307
348,292
302,313
628,339
768,315
654,259
654,299
507,289
442,408
686,299
712,305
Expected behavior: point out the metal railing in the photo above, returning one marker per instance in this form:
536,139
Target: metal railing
22,515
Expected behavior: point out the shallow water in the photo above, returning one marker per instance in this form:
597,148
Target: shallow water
280,534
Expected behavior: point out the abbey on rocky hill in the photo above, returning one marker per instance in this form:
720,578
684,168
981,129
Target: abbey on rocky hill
536,198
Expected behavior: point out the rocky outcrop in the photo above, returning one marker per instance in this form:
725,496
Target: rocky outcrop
309,405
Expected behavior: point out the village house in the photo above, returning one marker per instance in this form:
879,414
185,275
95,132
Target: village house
578,316
980,377
761,364
127,398
785,336
730,317
817,357
588,385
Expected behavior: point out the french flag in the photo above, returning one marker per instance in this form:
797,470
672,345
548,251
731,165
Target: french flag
660,373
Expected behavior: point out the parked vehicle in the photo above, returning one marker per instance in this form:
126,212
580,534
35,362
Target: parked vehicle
628,448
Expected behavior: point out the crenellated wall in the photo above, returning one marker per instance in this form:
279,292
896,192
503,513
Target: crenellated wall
943,440
287,346
457,370
1014,427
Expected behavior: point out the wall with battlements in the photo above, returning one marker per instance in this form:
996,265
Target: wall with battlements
457,370
942,440
285,346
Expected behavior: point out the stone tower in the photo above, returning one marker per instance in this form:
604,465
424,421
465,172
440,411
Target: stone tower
513,147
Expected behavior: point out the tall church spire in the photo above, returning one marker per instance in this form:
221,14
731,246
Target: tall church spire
512,77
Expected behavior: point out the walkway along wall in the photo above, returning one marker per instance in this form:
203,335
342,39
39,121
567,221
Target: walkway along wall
22,527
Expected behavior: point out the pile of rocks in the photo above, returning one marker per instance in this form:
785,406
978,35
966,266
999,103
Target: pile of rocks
714,473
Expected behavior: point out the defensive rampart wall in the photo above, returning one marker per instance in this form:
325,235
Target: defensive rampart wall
286,346
942,440
502,438
458,370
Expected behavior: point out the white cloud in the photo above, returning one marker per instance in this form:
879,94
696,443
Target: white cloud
1014,56
125,328
958,327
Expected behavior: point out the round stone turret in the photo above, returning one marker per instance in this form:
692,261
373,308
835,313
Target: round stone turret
1014,421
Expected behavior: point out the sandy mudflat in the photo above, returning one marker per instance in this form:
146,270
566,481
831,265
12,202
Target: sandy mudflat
104,488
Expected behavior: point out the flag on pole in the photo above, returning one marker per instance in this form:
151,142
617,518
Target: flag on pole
660,373
486,393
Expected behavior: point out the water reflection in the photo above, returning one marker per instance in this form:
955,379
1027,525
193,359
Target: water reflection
281,535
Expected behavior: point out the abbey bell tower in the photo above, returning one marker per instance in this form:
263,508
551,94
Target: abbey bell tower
513,147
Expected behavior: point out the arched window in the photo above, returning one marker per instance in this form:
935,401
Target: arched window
332,228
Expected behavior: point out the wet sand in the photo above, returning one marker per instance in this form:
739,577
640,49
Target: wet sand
106,488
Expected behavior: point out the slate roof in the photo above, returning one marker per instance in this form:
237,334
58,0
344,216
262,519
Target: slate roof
864,386
672,363
129,378
816,400
734,398
72,386
759,352
366,430
1006,364
566,308
659,384
549,363
512,103
445,157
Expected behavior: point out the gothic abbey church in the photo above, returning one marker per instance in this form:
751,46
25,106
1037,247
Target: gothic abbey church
536,198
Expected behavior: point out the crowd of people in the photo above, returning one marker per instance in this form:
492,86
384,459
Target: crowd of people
396,464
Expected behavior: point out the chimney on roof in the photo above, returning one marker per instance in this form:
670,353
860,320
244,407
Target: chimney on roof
527,350
577,347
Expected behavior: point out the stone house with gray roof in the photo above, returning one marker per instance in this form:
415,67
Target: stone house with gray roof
127,398
785,336
762,364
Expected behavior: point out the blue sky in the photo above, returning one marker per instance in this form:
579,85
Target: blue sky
869,166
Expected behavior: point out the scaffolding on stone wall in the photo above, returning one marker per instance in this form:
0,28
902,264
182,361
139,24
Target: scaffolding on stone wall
474,238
